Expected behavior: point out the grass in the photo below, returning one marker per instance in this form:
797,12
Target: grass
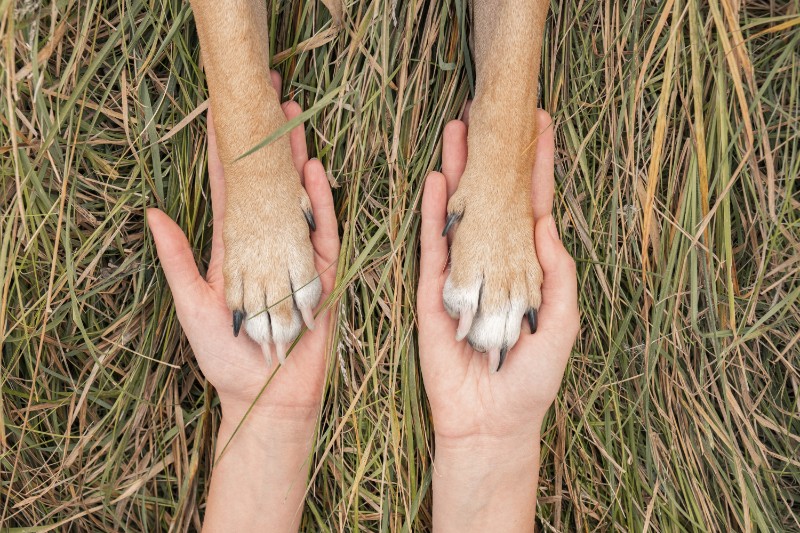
677,173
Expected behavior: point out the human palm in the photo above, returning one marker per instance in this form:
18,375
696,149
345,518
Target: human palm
236,366
466,398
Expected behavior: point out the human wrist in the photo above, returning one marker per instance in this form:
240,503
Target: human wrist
487,452
485,483
288,424
262,455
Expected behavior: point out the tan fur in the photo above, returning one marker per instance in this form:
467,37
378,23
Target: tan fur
266,237
267,246
493,241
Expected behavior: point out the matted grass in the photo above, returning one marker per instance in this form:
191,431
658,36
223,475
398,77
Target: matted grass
678,155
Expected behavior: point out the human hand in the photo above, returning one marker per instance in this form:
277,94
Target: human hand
465,398
487,425
235,365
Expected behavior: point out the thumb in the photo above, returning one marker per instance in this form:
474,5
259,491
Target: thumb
176,258
559,308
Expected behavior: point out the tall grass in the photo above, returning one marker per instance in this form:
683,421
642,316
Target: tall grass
678,157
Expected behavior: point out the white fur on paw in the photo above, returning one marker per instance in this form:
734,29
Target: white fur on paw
486,328
258,327
307,294
281,322
462,303
498,328
457,300
285,331
275,288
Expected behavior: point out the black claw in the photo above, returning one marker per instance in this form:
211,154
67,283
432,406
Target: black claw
238,316
533,319
503,354
452,218
310,219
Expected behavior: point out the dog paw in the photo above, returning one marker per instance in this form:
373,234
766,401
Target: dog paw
271,284
495,278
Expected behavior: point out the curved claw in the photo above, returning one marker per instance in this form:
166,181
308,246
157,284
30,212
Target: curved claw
502,359
308,317
494,360
452,218
267,352
310,219
464,324
238,316
533,319
281,347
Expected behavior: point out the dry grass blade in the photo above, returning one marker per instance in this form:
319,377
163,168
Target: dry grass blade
679,155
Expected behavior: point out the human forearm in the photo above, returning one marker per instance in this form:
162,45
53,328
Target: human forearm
485,484
259,482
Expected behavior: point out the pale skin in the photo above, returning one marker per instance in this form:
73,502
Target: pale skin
259,483
487,424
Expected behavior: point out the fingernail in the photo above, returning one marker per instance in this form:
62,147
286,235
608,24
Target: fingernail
551,227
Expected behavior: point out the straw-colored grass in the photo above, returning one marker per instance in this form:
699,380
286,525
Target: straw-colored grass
677,173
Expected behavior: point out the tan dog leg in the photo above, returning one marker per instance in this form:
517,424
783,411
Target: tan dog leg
270,279
495,277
